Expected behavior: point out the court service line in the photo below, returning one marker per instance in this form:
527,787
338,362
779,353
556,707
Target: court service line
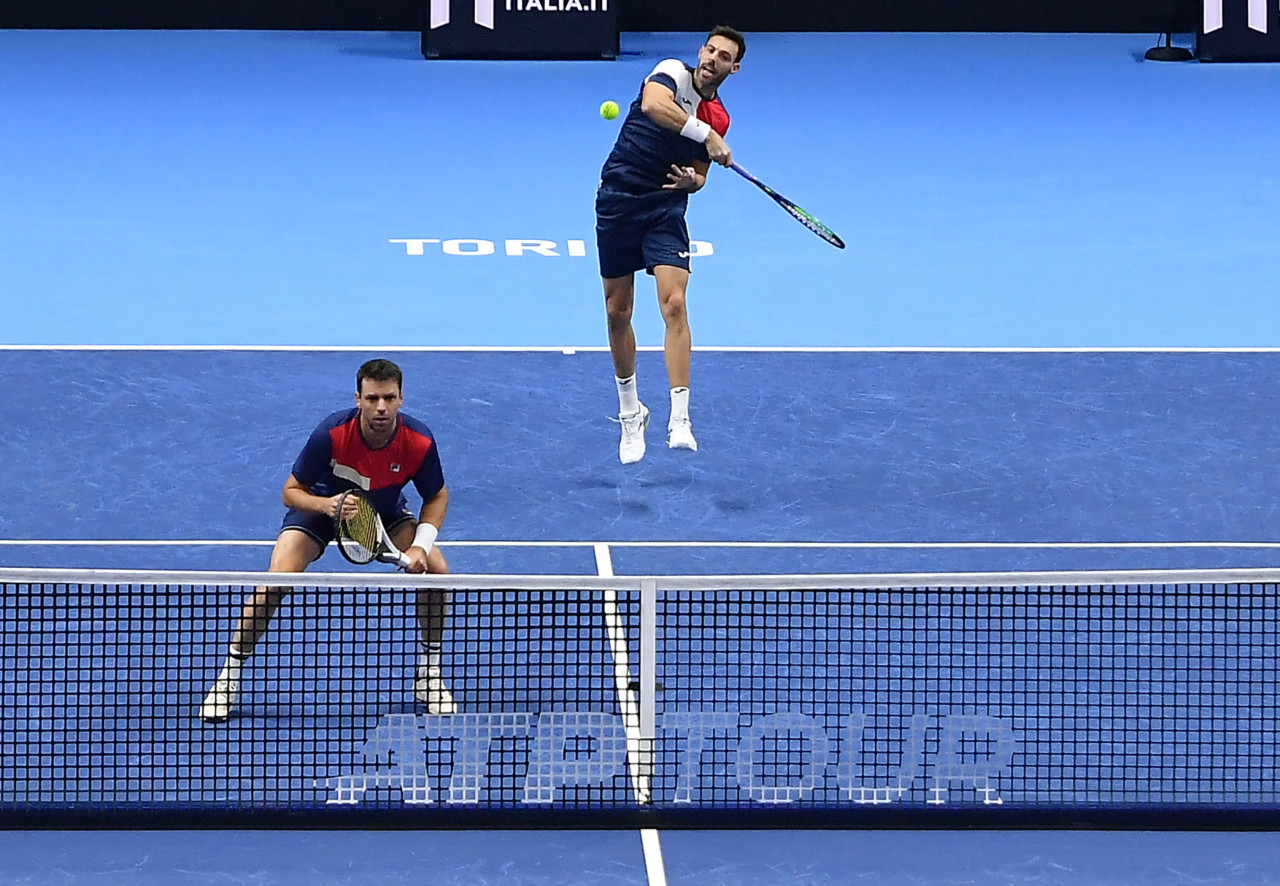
636,757
789,545
653,862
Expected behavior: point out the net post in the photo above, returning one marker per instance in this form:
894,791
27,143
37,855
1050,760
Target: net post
648,667
648,656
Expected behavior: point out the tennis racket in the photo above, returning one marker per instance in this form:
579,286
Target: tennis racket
361,536
796,212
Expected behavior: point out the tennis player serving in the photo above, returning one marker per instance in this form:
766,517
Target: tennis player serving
673,131
378,449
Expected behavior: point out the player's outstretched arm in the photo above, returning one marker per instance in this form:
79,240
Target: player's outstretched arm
659,103
430,519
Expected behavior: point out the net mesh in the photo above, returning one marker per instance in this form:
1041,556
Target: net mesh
667,696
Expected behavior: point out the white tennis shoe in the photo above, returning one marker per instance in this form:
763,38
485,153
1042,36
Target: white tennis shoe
680,435
631,447
430,689
217,705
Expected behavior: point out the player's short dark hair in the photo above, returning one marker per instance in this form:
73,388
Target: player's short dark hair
380,370
730,34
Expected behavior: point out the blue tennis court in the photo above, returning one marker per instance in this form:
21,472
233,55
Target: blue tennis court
1050,345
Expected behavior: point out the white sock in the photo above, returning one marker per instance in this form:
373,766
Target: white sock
628,398
235,661
679,404
429,656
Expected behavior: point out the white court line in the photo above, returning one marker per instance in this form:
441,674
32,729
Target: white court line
728,349
788,545
627,697
640,779
653,862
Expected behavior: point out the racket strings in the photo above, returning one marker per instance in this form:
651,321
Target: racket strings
358,534
793,210
814,225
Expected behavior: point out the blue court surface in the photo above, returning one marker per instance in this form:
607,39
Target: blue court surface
1049,345
731,858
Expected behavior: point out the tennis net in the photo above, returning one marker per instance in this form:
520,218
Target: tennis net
717,700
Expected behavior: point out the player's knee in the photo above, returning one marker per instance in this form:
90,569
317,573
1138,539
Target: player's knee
673,308
294,551
619,324
618,311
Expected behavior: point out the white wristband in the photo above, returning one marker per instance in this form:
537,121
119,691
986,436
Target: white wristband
425,537
696,129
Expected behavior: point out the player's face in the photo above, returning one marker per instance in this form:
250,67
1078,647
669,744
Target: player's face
716,61
379,403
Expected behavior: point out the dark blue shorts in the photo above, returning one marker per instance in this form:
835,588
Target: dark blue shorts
637,232
321,528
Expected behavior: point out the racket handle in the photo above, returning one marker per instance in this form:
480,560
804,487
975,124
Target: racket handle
394,557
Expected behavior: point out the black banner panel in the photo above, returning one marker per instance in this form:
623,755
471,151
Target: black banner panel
529,29
1239,31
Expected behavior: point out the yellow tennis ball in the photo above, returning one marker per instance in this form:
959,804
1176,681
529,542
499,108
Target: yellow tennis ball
609,110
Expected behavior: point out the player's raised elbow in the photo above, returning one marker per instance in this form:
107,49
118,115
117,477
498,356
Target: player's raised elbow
657,102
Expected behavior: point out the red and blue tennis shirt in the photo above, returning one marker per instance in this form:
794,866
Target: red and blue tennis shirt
336,458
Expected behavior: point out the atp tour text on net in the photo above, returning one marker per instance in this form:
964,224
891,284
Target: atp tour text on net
409,752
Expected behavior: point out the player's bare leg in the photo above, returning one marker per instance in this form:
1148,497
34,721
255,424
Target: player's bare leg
678,350
619,297
432,612
293,552
619,301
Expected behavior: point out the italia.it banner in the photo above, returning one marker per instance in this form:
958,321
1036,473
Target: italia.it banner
1240,30
520,29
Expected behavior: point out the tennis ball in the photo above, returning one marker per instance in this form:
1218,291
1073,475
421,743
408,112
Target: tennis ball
609,110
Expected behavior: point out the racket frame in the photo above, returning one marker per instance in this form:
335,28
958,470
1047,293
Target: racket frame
793,209
385,550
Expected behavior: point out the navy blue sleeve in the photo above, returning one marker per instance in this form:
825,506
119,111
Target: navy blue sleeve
312,464
664,78
430,477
